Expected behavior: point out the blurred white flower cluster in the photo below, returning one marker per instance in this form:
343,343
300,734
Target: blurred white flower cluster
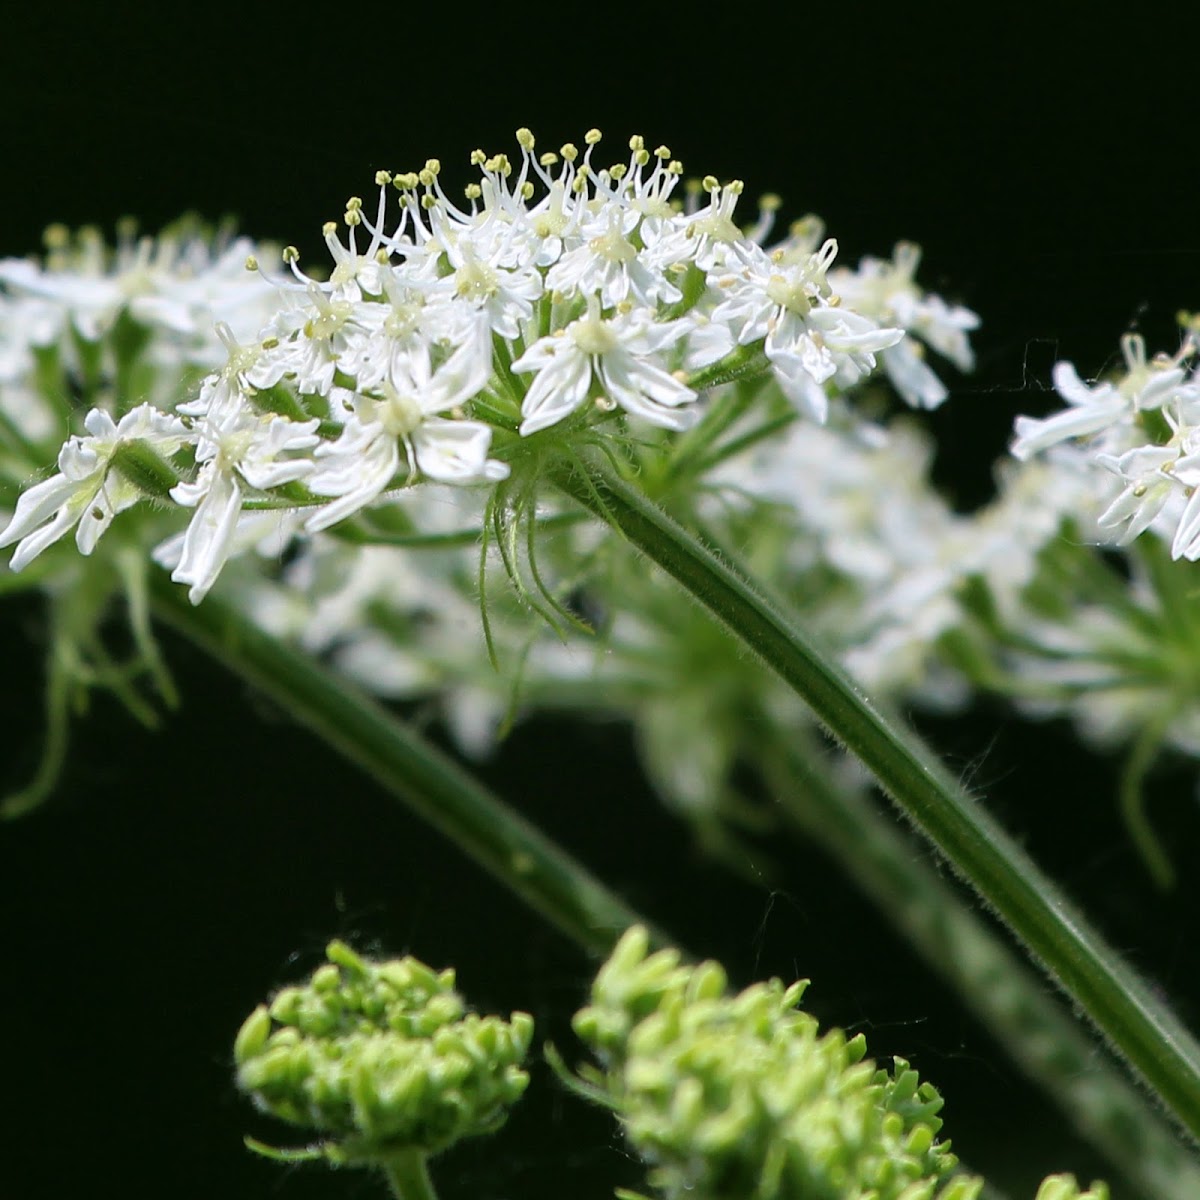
1143,428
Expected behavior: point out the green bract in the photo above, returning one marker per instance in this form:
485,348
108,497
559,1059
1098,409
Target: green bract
381,1058
740,1097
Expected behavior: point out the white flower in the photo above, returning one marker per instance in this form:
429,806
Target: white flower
610,265
1145,386
1092,410
808,340
86,492
361,464
1147,473
619,352
888,292
411,315
315,337
245,448
504,295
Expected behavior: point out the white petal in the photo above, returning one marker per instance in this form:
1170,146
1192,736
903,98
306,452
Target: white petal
455,451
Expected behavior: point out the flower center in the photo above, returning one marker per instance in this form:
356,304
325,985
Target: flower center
593,336
788,294
613,247
398,412
475,280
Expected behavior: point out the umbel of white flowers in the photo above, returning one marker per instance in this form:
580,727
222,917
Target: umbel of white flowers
456,342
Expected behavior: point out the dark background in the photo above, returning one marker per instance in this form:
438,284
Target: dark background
1048,170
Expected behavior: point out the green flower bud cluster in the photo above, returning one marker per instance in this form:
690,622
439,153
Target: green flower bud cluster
382,1059
741,1098
1064,1187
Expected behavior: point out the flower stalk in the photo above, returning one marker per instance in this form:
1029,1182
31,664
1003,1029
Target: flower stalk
407,766
969,956
1139,1027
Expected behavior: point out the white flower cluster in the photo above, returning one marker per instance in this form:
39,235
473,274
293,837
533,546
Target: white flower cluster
64,314
559,297
1144,430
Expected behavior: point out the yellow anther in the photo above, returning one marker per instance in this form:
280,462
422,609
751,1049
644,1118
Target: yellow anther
637,142
352,217
473,191
525,139
592,136
641,157
478,158
569,151
354,203
617,171
625,306
251,263
675,167
329,229
770,202
548,159
426,177
710,183
526,190
433,166
428,202
663,152
290,254
382,178
736,187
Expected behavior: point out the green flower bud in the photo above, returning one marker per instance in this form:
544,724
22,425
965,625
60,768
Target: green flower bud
734,1096
381,1059
1064,1187
252,1036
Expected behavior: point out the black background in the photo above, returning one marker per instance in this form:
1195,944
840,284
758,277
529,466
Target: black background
1047,167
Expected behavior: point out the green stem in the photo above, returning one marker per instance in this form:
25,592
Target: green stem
407,766
1002,990
1140,1027
408,1176
1133,798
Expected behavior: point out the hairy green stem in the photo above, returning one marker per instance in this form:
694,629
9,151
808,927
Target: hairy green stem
432,784
1137,1024
970,956
408,1176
